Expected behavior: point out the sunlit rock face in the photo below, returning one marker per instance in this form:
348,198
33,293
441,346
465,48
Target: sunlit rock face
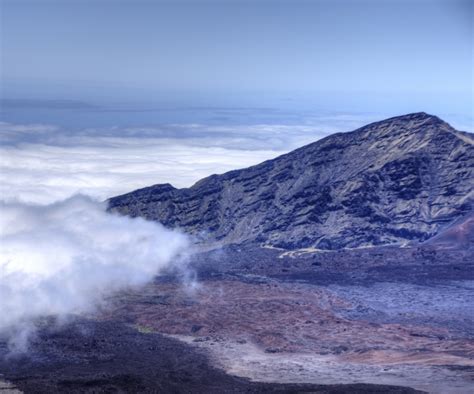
399,180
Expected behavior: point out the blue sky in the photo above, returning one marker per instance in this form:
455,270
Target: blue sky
104,96
353,54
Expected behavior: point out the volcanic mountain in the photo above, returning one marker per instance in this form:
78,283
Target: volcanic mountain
395,181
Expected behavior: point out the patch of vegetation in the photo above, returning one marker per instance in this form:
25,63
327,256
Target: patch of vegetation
143,329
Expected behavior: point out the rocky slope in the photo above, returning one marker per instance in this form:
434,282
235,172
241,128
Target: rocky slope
399,180
458,235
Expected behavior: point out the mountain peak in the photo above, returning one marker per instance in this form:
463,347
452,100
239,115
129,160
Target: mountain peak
393,181
412,120
417,115
414,116
413,124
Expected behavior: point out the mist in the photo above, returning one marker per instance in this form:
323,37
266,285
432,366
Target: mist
67,257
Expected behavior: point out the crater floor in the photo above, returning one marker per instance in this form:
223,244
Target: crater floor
259,320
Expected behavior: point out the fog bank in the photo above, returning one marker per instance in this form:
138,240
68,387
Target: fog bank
64,258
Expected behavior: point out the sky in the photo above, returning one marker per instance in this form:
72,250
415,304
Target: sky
102,97
81,46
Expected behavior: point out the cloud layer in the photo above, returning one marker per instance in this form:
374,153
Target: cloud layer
44,163
64,258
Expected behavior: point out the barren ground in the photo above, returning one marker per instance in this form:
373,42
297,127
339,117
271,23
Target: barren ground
258,321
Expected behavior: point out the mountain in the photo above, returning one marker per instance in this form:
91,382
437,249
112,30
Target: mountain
398,180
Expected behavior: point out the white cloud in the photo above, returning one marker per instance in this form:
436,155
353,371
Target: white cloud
64,258
41,173
42,163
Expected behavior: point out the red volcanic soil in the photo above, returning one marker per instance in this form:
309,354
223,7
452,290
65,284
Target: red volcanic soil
280,317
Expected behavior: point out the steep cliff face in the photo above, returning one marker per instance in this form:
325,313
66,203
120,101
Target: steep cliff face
398,180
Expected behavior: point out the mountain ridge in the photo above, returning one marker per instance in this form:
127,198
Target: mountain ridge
392,181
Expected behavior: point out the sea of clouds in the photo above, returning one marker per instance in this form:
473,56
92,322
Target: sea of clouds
45,163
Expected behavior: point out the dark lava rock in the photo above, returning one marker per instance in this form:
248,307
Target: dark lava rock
195,328
109,357
398,180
